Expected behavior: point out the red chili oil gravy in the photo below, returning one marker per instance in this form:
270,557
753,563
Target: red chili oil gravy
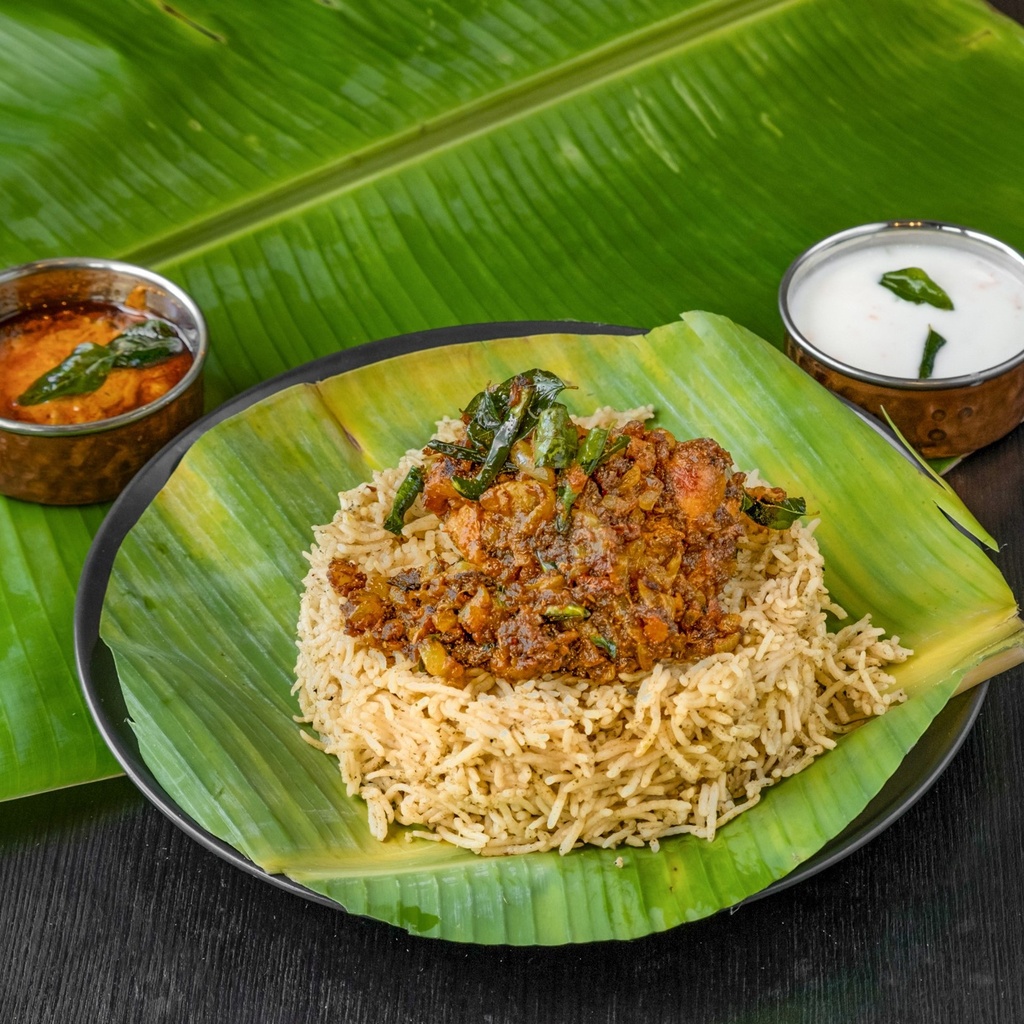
36,340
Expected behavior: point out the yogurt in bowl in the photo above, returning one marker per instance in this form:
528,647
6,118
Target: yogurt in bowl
920,321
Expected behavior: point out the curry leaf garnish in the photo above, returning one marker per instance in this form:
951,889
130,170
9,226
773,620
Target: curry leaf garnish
546,565
485,416
592,449
89,364
406,494
932,344
505,436
620,444
776,515
460,451
489,409
554,438
575,477
914,285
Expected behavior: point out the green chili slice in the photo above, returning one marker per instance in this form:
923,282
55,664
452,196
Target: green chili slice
566,611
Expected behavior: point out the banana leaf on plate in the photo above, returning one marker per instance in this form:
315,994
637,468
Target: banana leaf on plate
318,175
200,608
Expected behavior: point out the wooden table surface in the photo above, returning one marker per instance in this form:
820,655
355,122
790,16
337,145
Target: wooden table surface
109,913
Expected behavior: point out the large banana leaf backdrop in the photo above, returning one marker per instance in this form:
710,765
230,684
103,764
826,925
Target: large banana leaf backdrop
320,173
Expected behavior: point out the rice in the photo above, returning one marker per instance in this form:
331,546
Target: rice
557,762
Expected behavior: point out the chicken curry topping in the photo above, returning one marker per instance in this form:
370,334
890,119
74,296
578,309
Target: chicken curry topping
589,553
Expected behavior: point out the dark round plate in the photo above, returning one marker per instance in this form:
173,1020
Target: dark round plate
918,772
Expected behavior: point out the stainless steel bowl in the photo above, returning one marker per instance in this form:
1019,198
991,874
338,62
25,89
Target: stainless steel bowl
939,417
76,464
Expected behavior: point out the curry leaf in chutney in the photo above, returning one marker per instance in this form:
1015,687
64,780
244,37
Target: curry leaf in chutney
145,344
83,371
914,285
932,344
88,366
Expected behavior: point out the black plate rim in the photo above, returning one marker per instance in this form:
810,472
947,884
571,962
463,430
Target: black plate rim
103,697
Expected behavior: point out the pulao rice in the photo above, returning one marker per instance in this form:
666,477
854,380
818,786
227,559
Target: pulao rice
556,762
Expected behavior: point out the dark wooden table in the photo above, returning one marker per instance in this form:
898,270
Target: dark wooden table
109,913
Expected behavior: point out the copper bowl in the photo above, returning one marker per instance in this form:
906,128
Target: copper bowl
77,464
940,416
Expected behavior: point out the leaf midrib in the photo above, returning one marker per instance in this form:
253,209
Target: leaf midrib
550,86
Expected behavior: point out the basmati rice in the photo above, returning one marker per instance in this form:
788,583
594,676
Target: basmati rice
556,762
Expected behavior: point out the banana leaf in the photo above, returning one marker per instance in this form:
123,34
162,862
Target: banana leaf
222,545
321,174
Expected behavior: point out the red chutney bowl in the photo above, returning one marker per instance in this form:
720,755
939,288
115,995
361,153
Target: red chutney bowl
78,463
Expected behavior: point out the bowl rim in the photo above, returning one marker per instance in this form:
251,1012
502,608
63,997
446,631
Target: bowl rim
861,231
198,350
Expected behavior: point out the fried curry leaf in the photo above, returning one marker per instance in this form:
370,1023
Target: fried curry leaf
460,451
406,494
489,409
932,344
510,430
498,417
620,444
592,449
574,479
608,646
555,438
914,285
485,417
776,515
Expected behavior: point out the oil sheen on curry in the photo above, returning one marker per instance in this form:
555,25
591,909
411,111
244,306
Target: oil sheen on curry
82,362
587,552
